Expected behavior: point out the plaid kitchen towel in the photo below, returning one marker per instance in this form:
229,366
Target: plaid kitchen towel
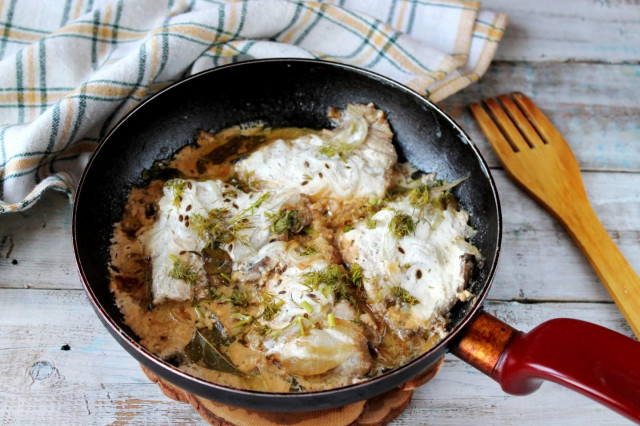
69,69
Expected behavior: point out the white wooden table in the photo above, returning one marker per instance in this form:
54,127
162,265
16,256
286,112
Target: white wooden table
579,61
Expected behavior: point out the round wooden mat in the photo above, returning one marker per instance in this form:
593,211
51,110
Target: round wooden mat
376,411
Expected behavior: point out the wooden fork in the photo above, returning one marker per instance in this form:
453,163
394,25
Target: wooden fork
538,158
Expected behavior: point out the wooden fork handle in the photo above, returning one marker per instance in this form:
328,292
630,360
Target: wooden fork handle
617,275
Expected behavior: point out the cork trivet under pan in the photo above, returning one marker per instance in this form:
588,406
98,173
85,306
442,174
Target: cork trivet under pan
376,411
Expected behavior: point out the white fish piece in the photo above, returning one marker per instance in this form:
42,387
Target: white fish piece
299,344
353,160
174,232
169,236
425,263
322,350
287,286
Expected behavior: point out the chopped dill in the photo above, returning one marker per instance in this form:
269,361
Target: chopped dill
329,276
328,150
404,296
326,291
286,220
442,200
355,275
371,223
277,334
332,320
373,202
213,227
306,306
395,191
307,176
225,276
261,199
238,224
263,329
198,311
335,279
437,193
267,297
342,144
218,227
229,193
347,228
372,207
271,309
177,186
244,319
180,271
402,225
309,230
237,298
302,321
419,196
213,293
338,149
308,250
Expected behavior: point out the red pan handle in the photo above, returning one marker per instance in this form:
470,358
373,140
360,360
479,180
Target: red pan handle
595,361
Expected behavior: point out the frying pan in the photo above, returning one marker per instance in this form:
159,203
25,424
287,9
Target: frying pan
585,357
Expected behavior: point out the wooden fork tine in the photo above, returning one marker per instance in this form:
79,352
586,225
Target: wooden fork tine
506,125
551,174
494,135
542,124
521,121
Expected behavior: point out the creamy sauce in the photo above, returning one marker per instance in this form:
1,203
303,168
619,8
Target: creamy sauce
291,259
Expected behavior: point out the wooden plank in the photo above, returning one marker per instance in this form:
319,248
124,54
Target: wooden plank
97,382
92,382
531,238
539,261
594,106
577,30
36,249
462,395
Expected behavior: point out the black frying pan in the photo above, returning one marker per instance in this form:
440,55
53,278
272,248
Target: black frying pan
287,93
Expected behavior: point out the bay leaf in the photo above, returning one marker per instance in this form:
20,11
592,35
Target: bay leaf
204,346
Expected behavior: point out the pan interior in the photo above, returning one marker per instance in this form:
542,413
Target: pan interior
278,93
